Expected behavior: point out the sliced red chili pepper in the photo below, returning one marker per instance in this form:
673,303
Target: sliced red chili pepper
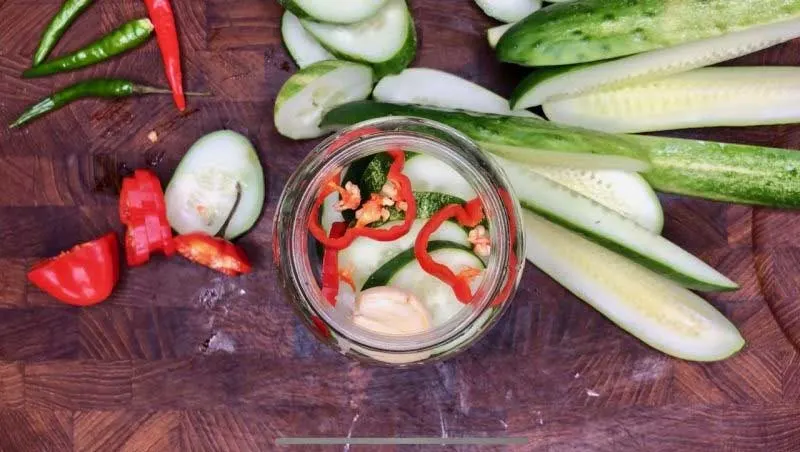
160,12
143,210
213,252
321,326
83,276
330,266
405,194
469,215
137,248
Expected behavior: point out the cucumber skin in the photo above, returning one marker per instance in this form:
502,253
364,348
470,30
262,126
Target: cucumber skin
302,78
593,30
495,129
384,274
723,172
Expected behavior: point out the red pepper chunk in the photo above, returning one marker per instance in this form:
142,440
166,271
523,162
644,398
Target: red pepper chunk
83,276
469,215
213,252
143,210
405,194
330,266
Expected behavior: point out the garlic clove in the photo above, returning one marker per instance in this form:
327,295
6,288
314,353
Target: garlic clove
392,311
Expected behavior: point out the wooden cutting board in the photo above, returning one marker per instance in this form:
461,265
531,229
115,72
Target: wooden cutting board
181,359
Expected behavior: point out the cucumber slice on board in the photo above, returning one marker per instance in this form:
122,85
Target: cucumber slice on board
494,34
558,83
628,194
202,191
509,10
387,40
440,89
404,272
657,311
593,30
525,140
724,172
706,97
302,47
341,12
365,256
306,96
611,229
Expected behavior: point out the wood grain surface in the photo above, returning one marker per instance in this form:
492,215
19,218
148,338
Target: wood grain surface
182,359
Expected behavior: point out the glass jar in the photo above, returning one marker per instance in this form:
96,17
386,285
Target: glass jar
299,265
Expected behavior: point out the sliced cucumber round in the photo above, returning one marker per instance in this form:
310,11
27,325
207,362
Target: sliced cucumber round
706,97
427,173
611,229
308,94
662,314
509,10
424,86
568,81
364,256
304,49
342,12
495,33
387,40
203,191
625,193
404,272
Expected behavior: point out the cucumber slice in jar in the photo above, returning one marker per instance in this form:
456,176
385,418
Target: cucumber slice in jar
429,174
203,191
569,81
657,311
626,193
341,12
509,10
494,34
365,256
309,93
611,229
424,86
387,40
706,97
304,49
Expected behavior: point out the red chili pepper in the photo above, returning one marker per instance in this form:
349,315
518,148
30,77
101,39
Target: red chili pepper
330,266
469,215
160,12
143,210
213,252
83,276
405,194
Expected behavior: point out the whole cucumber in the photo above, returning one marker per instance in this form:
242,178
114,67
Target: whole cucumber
593,30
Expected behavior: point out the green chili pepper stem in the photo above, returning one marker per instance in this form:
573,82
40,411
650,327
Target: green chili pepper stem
103,88
124,38
69,11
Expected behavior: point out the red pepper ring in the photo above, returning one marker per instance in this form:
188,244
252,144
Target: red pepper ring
82,276
330,266
469,215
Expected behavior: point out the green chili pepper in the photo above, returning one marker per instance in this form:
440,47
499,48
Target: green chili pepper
124,38
69,11
106,88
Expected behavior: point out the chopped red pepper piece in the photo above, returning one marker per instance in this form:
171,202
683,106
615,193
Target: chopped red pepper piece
213,252
83,276
469,215
143,210
330,266
405,195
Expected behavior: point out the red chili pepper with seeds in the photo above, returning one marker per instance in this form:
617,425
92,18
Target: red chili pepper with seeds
160,12
213,252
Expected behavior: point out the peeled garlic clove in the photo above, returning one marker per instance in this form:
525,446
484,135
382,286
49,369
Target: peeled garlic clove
387,310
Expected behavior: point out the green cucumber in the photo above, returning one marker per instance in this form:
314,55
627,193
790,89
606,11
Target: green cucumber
525,140
593,30
560,82
609,228
628,194
307,94
387,40
494,34
509,10
660,313
404,272
302,47
706,97
344,12
365,256
724,172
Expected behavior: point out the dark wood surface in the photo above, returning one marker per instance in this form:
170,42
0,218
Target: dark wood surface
181,359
